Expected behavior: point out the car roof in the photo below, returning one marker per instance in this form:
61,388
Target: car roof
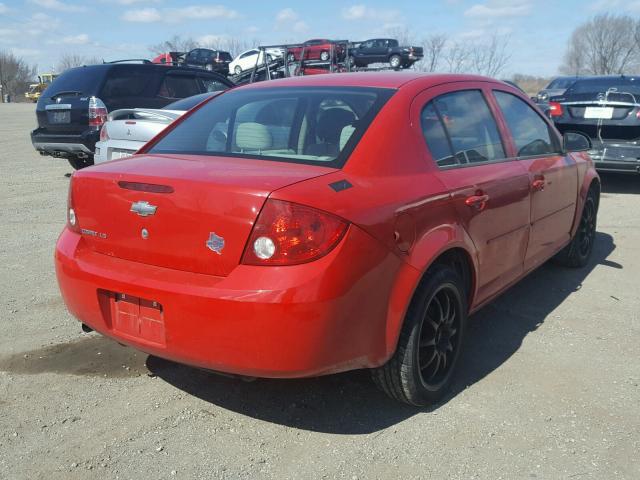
371,79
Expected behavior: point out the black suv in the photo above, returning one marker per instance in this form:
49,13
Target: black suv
606,109
212,60
73,108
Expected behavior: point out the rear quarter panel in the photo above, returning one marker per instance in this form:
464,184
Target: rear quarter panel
395,198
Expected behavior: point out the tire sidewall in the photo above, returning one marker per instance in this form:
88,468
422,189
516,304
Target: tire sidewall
442,277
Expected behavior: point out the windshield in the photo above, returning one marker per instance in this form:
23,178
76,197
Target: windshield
598,85
304,125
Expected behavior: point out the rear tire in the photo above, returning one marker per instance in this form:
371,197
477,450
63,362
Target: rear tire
237,70
395,61
324,55
79,163
578,252
423,365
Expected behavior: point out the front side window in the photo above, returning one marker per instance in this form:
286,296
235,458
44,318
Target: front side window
464,120
305,125
212,85
530,132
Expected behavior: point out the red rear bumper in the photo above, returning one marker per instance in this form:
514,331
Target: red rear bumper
322,317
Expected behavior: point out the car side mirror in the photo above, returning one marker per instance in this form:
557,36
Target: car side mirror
576,142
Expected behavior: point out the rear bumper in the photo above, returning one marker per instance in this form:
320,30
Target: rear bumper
109,150
65,145
616,156
322,317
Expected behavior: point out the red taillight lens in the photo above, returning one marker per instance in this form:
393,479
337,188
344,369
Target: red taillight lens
288,234
72,218
97,112
104,135
555,109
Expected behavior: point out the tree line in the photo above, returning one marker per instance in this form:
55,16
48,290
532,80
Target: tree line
606,44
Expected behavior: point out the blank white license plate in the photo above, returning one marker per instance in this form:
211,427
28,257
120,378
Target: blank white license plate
121,153
599,112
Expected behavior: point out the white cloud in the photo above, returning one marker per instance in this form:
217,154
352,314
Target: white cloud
288,19
80,39
25,52
363,12
211,39
3,8
176,15
143,15
499,9
58,5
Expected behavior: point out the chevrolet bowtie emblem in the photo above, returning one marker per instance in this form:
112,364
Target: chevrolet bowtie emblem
142,208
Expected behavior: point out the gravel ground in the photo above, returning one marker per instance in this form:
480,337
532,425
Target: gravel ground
549,386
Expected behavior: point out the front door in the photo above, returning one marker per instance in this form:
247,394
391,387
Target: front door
553,177
489,190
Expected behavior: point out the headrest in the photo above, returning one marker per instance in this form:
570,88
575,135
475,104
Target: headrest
345,135
253,136
331,123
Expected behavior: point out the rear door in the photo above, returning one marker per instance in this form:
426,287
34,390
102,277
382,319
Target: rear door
379,51
553,177
489,189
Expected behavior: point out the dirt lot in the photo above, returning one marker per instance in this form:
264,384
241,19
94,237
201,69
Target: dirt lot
550,384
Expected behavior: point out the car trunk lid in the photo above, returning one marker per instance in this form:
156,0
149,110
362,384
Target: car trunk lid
197,216
139,125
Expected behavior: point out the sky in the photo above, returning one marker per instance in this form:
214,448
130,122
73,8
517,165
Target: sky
41,31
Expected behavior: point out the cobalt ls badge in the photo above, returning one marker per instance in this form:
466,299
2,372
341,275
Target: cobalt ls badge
215,243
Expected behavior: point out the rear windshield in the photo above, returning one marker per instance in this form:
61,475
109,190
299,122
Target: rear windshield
303,125
224,56
601,85
81,80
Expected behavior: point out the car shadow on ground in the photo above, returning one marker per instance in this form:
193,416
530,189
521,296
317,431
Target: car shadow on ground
349,403
620,183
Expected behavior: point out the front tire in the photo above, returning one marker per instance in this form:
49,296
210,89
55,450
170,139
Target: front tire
79,163
422,367
578,252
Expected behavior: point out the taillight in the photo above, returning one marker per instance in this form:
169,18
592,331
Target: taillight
97,112
104,135
72,218
555,109
288,234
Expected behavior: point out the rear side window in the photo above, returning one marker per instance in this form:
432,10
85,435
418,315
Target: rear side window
179,86
530,132
129,82
304,125
464,120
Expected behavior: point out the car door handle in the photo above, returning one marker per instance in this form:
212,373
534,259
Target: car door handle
479,202
538,184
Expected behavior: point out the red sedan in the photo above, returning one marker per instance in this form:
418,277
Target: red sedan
317,49
319,224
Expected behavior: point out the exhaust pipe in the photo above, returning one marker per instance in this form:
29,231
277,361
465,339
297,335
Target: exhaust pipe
86,328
